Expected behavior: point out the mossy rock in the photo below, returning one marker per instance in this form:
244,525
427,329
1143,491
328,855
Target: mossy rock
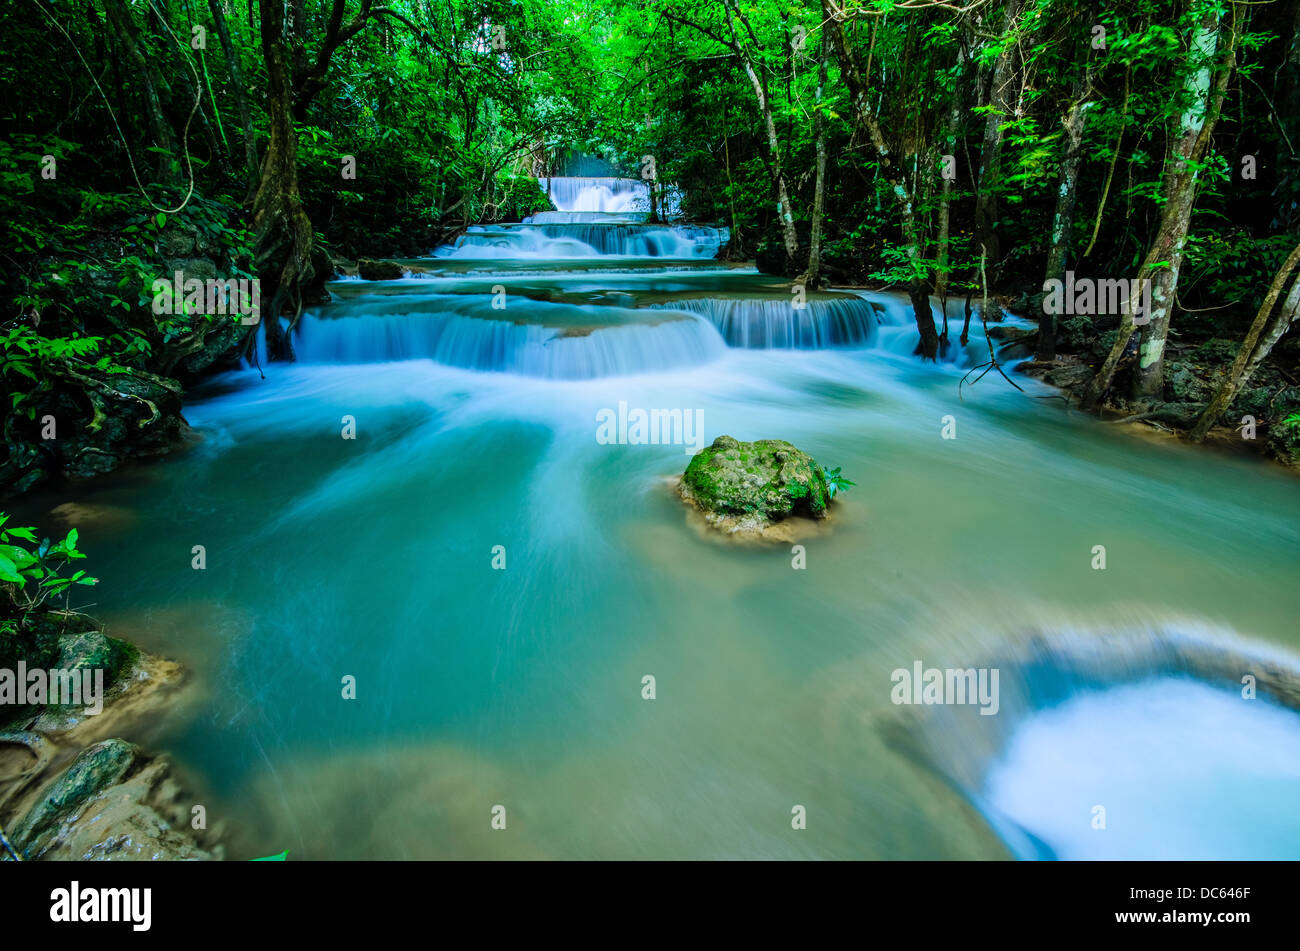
372,270
44,646
91,773
93,650
763,481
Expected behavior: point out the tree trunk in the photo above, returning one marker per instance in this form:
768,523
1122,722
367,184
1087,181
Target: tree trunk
812,277
773,144
1256,347
282,232
1198,123
1165,257
1063,217
986,202
237,87
929,346
951,132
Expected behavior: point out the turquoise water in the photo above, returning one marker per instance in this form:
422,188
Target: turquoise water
476,687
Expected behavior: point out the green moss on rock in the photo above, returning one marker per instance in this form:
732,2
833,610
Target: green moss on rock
768,479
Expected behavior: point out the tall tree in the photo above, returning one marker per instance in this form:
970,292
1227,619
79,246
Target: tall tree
1000,108
747,51
1066,197
1204,83
904,197
812,277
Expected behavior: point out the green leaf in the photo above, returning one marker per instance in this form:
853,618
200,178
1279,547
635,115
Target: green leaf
18,557
9,572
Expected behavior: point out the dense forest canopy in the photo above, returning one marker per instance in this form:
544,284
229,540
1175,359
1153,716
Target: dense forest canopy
963,150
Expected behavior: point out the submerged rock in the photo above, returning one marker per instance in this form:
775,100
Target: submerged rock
748,487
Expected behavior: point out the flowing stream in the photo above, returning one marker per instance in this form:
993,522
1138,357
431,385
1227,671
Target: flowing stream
475,387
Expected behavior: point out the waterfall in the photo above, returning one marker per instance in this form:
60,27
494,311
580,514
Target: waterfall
618,196
765,324
555,341
587,240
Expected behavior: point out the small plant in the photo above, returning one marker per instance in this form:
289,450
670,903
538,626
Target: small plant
30,574
1293,421
834,481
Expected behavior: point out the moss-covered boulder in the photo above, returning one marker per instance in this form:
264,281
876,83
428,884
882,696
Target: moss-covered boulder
746,487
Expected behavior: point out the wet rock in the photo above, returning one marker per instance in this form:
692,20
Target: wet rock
94,771
1067,376
23,754
145,817
1017,342
372,270
745,487
222,347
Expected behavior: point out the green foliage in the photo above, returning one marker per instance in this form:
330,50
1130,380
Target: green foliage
31,571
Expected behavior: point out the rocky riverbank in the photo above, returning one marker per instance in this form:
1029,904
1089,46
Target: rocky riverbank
1256,422
72,789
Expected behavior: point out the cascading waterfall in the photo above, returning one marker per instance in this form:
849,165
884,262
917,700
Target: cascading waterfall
847,321
860,319
603,220
616,196
555,341
607,195
587,239
592,217
584,217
